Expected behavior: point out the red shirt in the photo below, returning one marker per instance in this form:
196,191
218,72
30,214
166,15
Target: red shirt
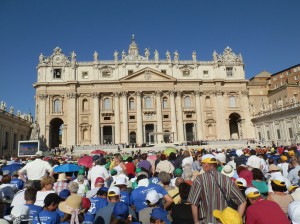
265,212
130,168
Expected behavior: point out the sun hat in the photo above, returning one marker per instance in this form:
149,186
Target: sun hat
228,216
120,181
153,197
252,193
62,177
209,158
159,213
99,180
241,182
273,167
65,193
278,180
51,198
228,171
72,206
86,203
113,191
294,211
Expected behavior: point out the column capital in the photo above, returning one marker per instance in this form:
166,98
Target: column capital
72,95
198,93
43,96
219,93
172,92
124,94
116,94
95,95
158,93
179,93
138,93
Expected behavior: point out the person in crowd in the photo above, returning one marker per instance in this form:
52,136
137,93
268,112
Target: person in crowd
30,198
292,188
120,214
294,212
86,204
71,208
48,214
61,183
196,166
145,164
19,184
98,171
242,184
254,161
275,171
228,171
130,167
240,159
228,216
165,180
35,170
259,182
284,165
47,186
82,187
247,175
19,196
73,187
263,211
172,158
153,201
99,182
119,165
188,158
278,195
98,202
177,173
207,186
182,212
159,216
7,190
174,193
293,175
64,194
121,183
164,165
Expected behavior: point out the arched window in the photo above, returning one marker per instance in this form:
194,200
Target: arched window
207,101
187,102
57,106
131,104
107,105
231,101
148,102
165,103
85,105
210,129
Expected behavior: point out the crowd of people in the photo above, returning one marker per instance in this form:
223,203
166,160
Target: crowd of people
229,186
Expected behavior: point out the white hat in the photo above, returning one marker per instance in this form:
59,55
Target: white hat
62,177
239,152
252,192
219,150
279,180
120,181
294,211
114,189
209,158
241,182
39,153
296,194
153,197
228,171
20,211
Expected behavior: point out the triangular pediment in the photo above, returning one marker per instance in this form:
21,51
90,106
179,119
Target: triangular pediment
148,75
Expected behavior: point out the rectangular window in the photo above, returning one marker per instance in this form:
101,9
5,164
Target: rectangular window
268,135
259,136
57,73
85,75
130,72
106,74
166,116
186,73
291,133
6,138
188,116
164,71
278,134
229,72
131,117
106,118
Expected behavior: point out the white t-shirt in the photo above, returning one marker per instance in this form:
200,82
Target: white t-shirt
36,169
40,197
97,171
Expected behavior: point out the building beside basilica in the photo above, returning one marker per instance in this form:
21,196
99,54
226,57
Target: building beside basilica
141,99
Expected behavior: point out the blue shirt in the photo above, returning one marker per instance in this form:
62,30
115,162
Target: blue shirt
96,204
125,197
34,210
60,213
46,217
18,183
88,219
138,195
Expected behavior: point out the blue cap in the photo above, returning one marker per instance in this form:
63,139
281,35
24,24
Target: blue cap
121,210
104,189
159,213
65,193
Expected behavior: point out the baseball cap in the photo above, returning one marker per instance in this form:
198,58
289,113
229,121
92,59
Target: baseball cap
153,197
252,193
178,172
241,182
64,193
113,191
138,170
279,180
113,172
283,158
209,158
39,153
120,181
86,203
159,213
228,216
52,198
292,187
99,180
291,153
121,210
228,171
294,211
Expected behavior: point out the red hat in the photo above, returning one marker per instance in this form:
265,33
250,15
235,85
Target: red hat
86,203
99,180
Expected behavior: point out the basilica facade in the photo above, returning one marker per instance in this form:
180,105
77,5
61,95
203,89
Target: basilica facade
136,98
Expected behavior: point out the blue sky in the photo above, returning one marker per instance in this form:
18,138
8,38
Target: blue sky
266,33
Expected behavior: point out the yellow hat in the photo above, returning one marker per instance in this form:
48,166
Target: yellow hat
252,193
209,158
228,216
279,180
292,187
291,153
283,158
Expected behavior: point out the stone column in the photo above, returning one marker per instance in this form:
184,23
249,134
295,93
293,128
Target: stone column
117,118
101,133
173,116
199,130
144,135
159,116
139,119
42,117
124,136
249,131
95,125
219,109
72,119
180,127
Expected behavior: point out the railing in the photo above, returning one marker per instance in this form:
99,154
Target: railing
276,110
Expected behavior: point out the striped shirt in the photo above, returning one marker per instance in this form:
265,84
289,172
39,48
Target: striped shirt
206,194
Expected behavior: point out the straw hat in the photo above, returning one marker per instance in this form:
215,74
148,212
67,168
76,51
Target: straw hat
62,177
73,203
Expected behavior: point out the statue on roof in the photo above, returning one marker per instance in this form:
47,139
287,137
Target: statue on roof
41,58
215,56
35,132
156,55
73,56
95,55
116,55
168,55
123,55
194,56
3,105
11,110
176,56
147,53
